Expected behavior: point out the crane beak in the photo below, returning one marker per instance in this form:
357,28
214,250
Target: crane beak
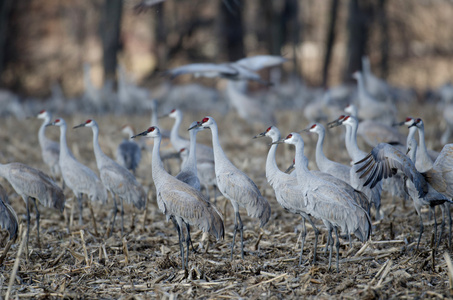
290,168
282,141
80,125
50,124
195,126
260,135
140,134
407,151
305,130
334,123
412,125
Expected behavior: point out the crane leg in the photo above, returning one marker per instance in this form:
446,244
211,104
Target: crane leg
304,235
442,225
179,239
435,227
449,224
238,227
122,218
329,239
38,215
331,247
115,211
188,242
337,244
316,238
27,204
189,239
79,199
421,230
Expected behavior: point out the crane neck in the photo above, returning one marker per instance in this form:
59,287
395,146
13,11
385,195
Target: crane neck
157,167
301,162
100,156
154,118
177,141
64,149
412,154
272,170
351,142
191,162
219,155
41,133
320,157
421,143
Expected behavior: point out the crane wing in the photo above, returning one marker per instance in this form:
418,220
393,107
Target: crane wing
441,175
259,62
203,69
384,161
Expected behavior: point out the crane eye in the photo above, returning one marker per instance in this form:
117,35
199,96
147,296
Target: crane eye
289,136
408,119
268,129
42,111
173,110
313,126
57,120
205,120
345,118
88,122
151,129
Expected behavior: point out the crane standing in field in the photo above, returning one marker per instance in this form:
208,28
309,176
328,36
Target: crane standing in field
117,179
50,150
205,154
78,177
180,202
128,153
235,186
287,190
328,201
32,184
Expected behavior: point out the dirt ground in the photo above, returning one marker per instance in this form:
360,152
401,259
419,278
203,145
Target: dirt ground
146,262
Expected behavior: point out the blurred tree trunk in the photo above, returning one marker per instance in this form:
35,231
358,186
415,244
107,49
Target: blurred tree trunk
273,16
110,33
5,10
292,27
359,18
232,30
330,40
383,24
161,37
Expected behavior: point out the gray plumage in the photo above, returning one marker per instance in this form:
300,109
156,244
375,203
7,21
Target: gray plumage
117,179
324,164
287,190
384,160
8,217
373,193
32,184
78,177
243,69
180,201
128,153
236,186
328,201
189,172
204,153
50,150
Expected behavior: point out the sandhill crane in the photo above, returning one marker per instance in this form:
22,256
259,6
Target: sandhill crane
370,108
287,190
374,132
324,164
373,194
117,179
377,87
205,154
327,201
78,177
384,160
50,150
180,201
128,153
243,69
32,184
236,186
8,217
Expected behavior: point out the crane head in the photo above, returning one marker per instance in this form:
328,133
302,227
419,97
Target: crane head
262,134
408,122
207,122
88,123
42,114
336,122
153,132
57,122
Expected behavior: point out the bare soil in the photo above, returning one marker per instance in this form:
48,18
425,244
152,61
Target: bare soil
146,262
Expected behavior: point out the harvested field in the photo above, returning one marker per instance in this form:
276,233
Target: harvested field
146,262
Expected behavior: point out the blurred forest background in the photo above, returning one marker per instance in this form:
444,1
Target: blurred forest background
409,42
